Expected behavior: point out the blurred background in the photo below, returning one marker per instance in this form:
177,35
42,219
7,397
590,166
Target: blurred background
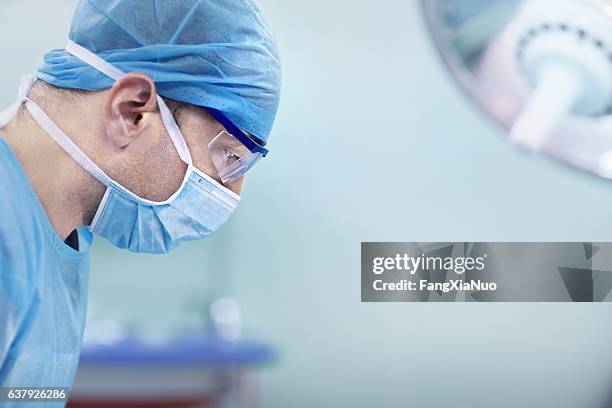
374,142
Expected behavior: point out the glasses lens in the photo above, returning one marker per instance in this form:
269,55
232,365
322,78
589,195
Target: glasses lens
238,168
231,158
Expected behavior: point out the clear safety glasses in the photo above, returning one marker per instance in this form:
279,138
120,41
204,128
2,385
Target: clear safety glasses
232,151
231,158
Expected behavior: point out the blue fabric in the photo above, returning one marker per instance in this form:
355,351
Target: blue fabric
218,54
43,289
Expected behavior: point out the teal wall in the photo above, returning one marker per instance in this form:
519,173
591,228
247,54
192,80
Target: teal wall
374,142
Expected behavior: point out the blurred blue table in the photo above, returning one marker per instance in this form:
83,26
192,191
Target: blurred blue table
195,371
203,349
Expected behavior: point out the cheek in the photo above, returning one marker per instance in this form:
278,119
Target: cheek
201,159
170,170
162,170
236,186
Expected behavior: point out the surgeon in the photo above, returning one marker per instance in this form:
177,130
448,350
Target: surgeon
141,131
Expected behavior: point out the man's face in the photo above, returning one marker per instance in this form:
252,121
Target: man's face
139,152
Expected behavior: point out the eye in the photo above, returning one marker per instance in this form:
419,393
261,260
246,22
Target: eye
231,156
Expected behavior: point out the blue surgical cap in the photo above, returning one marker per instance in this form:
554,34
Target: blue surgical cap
217,54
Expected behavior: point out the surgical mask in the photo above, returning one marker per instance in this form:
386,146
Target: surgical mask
199,207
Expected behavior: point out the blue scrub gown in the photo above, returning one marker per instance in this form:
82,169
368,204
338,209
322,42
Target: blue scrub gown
43,289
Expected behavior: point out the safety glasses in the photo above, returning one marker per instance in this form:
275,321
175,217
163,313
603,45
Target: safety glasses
232,151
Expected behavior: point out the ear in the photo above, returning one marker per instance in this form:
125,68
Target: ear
130,108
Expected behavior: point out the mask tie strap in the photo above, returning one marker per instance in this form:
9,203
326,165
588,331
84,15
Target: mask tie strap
45,122
113,72
27,82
